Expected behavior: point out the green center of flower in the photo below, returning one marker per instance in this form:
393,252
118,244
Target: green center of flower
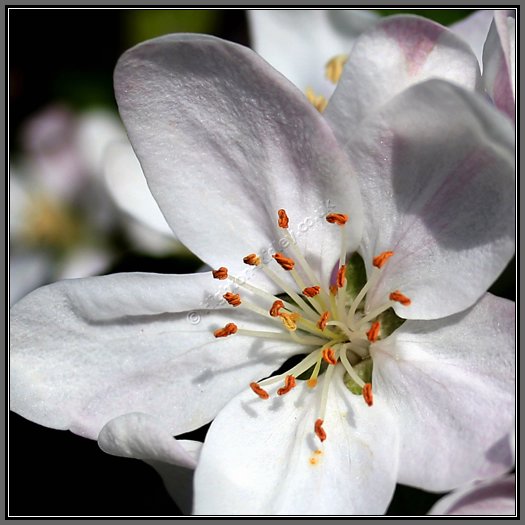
330,321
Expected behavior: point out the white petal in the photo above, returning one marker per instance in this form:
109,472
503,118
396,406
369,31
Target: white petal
141,436
437,178
128,187
474,29
488,498
499,62
259,456
224,142
451,384
310,37
85,351
399,52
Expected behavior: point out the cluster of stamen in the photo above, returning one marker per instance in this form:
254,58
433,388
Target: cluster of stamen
336,329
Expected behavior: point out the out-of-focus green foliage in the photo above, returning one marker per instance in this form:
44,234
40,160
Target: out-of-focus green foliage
443,16
140,25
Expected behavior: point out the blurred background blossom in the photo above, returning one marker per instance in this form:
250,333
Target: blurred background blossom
74,211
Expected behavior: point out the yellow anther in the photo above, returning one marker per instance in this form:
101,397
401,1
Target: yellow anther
318,101
334,68
289,320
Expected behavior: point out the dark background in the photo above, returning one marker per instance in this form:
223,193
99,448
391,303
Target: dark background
69,55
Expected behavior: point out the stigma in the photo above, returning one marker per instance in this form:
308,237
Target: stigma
336,328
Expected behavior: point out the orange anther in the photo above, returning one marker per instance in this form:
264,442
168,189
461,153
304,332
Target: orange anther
341,276
285,262
400,298
221,273
232,298
321,324
311,383
367,394
312,291
329,356
337,218
381,259
289,383
229,329
283,219
259,391
276,306
373,333
252,260
333,289
319,431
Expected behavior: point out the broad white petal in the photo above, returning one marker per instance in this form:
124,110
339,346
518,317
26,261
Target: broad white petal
128,187
262,456
141,436
451,384
474,29
499,62
85,351
310,37
225,141
488,498
399,52
436,168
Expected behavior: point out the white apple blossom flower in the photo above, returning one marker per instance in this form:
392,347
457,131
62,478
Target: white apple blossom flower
227,144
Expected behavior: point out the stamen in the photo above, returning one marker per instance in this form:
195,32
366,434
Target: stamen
373,333
289,320
285,262
221,273
329,356
361,295
400,298
289,383
276,306
252,260
380,260
341,276
318,101
232,298
334,68
337,218
333,289
283,219
348,367
229,329
367,394
259,391
297,370
312,382
321,324
312,291
319,431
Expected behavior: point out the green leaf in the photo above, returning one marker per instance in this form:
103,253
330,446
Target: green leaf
355,275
